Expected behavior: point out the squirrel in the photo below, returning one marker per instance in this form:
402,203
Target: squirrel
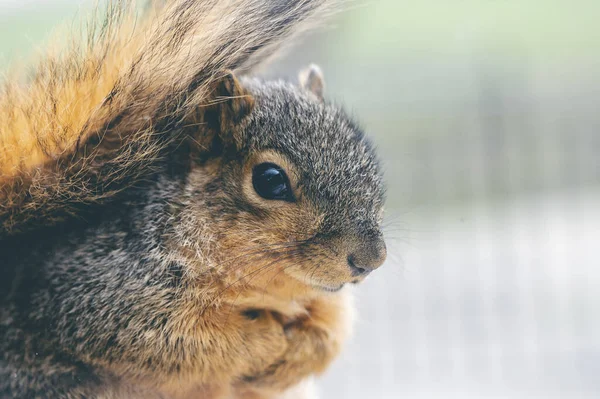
170,226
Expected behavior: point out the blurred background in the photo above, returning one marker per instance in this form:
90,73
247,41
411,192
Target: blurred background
486,114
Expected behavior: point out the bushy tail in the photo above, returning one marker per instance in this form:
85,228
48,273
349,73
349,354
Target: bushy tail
94,118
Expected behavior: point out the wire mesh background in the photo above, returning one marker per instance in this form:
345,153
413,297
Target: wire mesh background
486,116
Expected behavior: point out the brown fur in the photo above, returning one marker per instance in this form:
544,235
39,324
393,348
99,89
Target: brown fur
93,121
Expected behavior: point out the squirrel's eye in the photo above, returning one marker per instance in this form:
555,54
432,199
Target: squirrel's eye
271,182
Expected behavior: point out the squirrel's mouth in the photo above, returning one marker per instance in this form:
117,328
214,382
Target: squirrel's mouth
328,288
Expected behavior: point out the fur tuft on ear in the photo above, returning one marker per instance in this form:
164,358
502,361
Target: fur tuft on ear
311,79
230,103
234,101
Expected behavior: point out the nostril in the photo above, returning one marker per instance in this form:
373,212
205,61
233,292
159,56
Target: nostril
356,270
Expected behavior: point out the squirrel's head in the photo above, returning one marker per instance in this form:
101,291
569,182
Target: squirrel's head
286,184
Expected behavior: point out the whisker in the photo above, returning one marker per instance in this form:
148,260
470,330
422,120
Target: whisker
260,250
290,255
220,293
239,293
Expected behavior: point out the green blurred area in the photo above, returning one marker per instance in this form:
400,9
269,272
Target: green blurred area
557,29
548,28
23,29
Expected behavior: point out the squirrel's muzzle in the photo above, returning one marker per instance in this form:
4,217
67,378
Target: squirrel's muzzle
366,253
362,251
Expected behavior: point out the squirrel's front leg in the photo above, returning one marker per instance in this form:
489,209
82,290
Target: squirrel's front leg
230,344
313,342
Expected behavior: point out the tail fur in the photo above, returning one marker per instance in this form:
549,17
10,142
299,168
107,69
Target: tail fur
93,119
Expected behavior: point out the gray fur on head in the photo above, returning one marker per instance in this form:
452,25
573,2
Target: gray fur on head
339,167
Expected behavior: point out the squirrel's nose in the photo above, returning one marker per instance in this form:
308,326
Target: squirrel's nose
368,255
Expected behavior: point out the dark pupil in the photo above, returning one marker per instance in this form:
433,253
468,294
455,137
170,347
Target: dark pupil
271,182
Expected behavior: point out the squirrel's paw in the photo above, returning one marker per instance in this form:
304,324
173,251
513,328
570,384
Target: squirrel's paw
312,343
263,337
309,352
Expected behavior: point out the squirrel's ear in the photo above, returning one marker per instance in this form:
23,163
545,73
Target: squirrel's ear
220,119
311,79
